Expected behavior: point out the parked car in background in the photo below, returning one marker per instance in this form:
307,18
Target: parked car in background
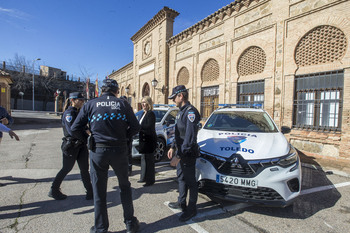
165,129
245,158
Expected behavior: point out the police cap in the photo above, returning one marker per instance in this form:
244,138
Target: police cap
111,83
176,90
76,95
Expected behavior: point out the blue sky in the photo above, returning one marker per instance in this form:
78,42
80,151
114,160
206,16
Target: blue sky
86,36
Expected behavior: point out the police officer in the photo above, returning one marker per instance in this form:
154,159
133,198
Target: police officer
111,122
72,149
187,150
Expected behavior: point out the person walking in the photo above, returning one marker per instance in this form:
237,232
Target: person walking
73,149
187,149
5,119
111,122
147,142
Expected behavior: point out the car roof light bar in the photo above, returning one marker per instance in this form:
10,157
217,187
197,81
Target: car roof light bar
240,105
163,105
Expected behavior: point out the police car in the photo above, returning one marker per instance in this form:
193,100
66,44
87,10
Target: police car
165,129
245,158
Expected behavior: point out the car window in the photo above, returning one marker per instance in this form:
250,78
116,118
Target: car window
241,122
159,114
171,116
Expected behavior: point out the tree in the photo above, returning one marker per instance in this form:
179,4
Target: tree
21,79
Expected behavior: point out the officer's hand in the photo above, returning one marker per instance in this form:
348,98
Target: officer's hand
170,153
12,134
4,121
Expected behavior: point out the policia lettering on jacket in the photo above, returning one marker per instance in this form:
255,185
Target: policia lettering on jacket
111,122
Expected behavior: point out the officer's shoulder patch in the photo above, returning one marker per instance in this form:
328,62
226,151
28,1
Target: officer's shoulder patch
69,118
191,116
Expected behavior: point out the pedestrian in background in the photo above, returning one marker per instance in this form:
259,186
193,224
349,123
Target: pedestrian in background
5,119
73,149
111,122
147,142
187,149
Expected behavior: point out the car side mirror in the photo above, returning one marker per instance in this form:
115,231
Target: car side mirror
200,125
170,122
285,129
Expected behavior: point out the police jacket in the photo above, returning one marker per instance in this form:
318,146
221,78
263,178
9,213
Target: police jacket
68,118
111,120
186,128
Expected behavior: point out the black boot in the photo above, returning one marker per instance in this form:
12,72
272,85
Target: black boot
132,226
57,194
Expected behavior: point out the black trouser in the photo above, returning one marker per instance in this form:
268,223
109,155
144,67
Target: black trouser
100,160
129,145
147,168
186,173
82,157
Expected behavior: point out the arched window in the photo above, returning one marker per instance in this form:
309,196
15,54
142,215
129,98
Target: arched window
323,44
145,90
183,76
252,61
210,71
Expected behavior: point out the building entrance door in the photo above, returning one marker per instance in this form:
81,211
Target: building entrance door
209,101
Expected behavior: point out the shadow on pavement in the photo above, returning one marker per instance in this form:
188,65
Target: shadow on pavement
23,123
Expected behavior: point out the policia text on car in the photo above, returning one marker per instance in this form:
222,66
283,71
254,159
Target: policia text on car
111,121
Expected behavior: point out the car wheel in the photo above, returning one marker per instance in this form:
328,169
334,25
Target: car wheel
160,150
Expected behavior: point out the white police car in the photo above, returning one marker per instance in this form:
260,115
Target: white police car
165,129
245,158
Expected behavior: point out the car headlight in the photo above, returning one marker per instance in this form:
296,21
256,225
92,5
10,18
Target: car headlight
291,158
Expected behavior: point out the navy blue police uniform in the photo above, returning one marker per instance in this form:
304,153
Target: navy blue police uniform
73,150
111,122
185,142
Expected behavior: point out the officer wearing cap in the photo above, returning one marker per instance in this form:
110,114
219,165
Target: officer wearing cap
187,150
111,121
73,149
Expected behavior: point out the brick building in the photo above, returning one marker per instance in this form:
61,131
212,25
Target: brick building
292,56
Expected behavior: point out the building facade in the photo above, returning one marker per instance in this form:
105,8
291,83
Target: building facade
5,90
48,71
291,56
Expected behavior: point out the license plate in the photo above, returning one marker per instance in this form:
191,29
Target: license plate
237,181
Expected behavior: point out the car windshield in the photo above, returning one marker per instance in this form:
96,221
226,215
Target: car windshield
244,121
159,114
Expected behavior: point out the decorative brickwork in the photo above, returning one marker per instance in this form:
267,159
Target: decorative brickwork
210,71
323,44
183,76
252,61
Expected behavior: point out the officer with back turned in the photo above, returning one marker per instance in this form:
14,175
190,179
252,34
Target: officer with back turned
186,148
111,122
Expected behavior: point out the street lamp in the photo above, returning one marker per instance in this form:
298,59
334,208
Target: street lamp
38,59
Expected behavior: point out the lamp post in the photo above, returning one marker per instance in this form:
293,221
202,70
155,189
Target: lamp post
154,83
33,78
